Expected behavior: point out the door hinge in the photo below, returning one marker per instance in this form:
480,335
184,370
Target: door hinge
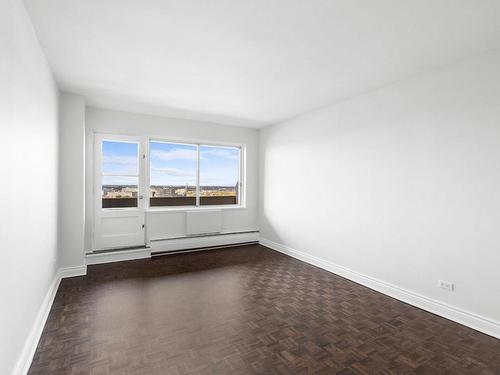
142,226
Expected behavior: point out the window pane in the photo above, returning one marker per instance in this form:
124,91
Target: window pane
119,191
172,174
219,175
120,158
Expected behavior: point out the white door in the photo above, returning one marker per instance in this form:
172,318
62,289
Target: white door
119,190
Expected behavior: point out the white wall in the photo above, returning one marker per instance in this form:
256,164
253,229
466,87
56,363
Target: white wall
71,180
401,184
115,122
28,188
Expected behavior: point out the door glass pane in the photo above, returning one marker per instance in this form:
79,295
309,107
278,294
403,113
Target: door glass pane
172,174
120,158
120,170
219,175
119,191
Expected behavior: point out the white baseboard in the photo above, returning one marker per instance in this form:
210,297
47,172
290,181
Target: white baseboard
72,271
118,256
474,321
203,241
24,360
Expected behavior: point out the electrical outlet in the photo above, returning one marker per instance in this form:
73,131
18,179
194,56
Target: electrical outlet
446,285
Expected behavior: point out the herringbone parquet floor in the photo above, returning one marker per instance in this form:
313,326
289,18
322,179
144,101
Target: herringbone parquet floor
245,310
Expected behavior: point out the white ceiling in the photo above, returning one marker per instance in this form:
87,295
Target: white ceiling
251,62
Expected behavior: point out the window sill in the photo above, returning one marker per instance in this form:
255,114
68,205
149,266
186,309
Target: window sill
193,208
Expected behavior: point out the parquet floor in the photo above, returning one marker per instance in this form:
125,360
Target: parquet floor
247,310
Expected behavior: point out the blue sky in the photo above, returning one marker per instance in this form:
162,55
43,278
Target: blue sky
171,164
119,159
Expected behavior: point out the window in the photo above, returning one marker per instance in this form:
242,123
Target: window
193,174
120,174
219,175
173,174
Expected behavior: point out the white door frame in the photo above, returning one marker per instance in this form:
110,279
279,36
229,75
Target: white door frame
109,236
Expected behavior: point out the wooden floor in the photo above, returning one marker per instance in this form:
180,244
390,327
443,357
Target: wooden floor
247,310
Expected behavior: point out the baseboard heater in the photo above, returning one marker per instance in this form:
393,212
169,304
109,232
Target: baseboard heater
215,234
116,249
196,249
198,242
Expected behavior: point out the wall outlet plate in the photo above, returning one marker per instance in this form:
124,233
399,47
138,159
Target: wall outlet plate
446,285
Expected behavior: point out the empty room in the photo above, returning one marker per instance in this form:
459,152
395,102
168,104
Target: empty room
250,187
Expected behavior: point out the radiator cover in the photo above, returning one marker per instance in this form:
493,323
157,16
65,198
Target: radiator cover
203,222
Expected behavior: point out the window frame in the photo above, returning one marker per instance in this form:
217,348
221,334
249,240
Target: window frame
240,198
102,174
97,173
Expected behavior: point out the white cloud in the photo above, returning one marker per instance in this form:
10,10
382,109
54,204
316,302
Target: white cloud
171,171
119,165
175,154
190,155
220,153
120,160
